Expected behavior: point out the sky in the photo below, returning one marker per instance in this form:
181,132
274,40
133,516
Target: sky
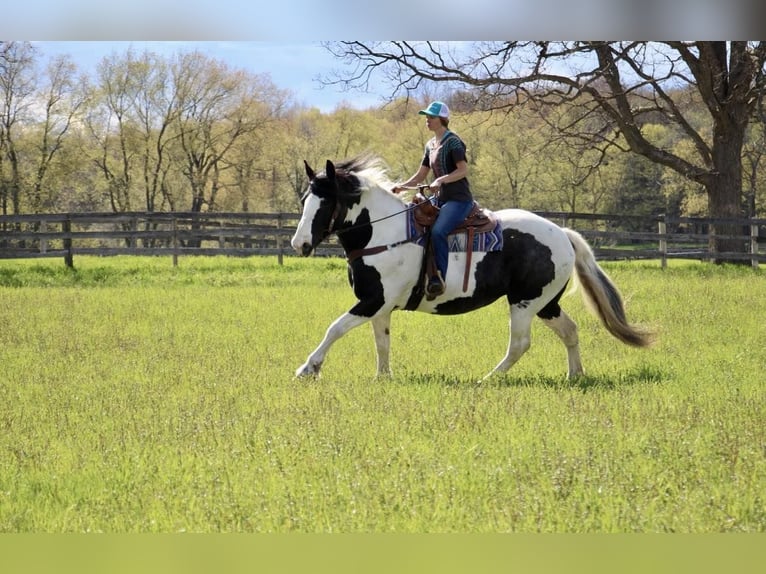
282,20
291,65
282,37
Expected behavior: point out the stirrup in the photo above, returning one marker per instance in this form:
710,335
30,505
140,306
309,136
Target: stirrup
435,287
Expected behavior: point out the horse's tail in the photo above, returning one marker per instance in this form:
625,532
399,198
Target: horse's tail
603,297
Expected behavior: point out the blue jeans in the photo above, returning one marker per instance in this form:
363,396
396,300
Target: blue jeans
450,215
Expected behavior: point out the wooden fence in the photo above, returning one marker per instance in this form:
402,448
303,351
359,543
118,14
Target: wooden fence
245,234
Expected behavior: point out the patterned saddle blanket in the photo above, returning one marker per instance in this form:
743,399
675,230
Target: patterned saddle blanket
481,231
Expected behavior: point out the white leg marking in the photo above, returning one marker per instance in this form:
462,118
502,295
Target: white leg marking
520,327
566,329
381,326
335,331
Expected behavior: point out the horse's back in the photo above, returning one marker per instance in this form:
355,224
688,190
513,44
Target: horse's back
539,229
522,218
537,255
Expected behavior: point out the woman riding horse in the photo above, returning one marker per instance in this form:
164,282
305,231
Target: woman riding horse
445,156
531,269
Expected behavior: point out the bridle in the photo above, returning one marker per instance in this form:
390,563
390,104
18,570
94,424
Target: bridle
334,217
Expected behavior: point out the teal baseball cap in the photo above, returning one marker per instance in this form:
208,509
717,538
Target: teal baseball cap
438,109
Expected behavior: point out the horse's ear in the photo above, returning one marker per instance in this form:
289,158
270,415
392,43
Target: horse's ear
309,172
330,170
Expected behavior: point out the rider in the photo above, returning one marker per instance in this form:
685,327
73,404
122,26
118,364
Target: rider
445,156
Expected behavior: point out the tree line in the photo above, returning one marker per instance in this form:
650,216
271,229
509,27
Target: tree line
188,132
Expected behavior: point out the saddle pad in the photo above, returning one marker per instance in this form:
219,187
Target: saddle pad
482,242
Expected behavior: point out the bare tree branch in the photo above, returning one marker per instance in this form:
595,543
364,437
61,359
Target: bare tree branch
618,88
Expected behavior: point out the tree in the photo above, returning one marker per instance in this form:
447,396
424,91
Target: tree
218,107
618,88
168,133
508,162
754,157
112,126
17,86
62,97
155,108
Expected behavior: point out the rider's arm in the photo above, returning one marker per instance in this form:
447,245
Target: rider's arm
419,176
459,173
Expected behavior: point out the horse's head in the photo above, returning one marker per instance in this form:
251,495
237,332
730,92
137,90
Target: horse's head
325,204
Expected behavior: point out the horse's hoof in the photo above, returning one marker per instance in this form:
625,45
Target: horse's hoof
306,370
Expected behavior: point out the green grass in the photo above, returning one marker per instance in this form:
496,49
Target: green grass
138,397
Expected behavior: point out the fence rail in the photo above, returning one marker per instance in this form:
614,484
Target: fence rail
244,234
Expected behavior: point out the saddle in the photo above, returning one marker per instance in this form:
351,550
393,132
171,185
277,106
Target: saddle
478,220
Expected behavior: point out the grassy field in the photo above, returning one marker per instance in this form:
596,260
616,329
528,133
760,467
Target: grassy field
138,397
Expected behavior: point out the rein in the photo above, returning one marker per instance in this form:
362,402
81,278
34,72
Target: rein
357,253
405,210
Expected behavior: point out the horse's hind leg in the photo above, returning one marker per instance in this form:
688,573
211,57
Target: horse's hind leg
566,329
381,327
520,327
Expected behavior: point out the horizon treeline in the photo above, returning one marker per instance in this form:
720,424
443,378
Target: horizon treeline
190,133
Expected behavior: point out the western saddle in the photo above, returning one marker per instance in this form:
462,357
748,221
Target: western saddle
478,220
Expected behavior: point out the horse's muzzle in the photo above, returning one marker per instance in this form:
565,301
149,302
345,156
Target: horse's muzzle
306,249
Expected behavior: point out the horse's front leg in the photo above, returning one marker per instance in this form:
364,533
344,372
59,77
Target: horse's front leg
381,327
335,331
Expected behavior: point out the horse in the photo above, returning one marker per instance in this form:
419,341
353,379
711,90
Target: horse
354,201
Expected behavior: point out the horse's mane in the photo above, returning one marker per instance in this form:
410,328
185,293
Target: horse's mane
370,169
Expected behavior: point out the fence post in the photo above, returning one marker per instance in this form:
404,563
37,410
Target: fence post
43,242
279,238
754,245
66,227
174,224
662,229
134,237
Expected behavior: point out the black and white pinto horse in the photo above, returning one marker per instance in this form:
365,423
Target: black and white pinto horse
353,201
